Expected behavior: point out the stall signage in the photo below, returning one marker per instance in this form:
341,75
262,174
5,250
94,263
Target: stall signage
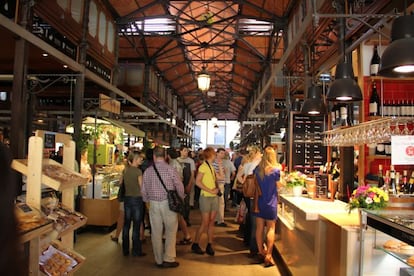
402,150
322,186
109,104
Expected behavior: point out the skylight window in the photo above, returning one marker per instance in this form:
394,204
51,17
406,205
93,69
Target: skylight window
254,27
153,26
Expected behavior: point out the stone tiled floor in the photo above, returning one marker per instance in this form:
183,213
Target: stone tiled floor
104,257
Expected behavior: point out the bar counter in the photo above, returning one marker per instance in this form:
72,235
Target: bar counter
317,237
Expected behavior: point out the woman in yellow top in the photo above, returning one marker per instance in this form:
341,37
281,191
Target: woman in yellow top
206,181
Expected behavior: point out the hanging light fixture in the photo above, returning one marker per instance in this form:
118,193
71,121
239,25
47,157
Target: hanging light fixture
203,80
344,88
314,104
397,61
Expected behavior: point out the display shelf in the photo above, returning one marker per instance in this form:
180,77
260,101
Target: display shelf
36,232
374,157
53,266
397,254
384,226
54,175
60,177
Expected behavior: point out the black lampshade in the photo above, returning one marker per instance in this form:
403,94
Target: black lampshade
344,88
314,104
397,61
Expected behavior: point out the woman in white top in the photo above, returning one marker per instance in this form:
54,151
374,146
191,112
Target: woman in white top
172,160
248,165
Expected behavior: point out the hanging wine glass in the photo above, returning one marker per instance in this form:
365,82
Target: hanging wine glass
405,130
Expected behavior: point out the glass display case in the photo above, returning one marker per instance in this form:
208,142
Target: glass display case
110,185
387,242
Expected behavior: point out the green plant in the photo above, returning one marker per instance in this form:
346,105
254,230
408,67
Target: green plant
295,178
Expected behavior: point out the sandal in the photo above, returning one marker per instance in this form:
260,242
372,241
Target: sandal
186,241
268,261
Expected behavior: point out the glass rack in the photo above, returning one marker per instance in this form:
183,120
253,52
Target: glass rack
375,131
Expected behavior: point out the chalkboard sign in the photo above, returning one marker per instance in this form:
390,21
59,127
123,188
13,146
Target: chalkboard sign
306,150
322,190
49,140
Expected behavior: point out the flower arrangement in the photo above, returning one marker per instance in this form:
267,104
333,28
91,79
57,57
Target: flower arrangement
295,178
368,197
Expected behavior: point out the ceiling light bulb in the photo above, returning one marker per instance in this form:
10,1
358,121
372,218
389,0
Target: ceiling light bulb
404,69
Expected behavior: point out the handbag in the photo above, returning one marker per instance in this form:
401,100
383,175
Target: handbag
238,186
257,194
121,191
175,202
249,186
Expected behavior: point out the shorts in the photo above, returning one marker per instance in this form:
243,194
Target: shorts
208,204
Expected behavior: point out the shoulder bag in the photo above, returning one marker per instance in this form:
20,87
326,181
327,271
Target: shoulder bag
121,190
249,186
175,202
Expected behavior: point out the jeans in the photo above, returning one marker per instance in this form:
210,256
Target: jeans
227,189
186,211
250,226
133,209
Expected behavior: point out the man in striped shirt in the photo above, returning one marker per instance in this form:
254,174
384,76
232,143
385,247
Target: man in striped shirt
161,217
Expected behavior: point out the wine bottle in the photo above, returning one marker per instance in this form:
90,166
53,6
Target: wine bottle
404,184
350,114
411,184
333,118
343,115
380,176
386,186
397,183
380,150
374,101
394,111
392,185
375,61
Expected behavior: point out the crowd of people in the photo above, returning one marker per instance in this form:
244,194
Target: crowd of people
205,180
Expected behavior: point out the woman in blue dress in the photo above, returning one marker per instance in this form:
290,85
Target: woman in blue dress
267,174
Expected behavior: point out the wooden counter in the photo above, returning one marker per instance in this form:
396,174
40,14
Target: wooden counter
340,232
314,235
100,212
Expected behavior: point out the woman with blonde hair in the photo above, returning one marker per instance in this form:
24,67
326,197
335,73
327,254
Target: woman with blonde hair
267,175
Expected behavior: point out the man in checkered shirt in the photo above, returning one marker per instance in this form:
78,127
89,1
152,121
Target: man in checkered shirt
161,217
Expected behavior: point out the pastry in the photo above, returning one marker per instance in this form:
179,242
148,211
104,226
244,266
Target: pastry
406,248
410,260
392,244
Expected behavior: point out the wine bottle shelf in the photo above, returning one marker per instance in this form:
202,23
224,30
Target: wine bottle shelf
374,157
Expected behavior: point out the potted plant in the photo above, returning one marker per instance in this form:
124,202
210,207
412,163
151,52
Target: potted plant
296,180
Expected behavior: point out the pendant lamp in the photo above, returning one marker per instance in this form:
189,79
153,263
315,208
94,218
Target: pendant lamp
344,88
397,61
314,104
203,80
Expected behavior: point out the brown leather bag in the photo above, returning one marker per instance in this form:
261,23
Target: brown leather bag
249,186
257,194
